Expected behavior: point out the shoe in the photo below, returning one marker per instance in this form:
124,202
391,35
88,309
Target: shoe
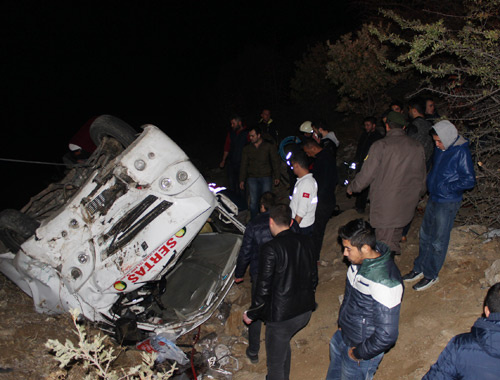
424,284
360,210
412,276
254,358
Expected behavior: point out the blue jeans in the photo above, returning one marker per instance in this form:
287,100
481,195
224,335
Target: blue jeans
434,237
256,187
342,367
278,335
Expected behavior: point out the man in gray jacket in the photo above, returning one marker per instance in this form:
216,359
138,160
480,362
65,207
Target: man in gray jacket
395,171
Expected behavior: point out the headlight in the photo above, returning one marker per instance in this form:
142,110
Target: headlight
140,165
165,183
182,176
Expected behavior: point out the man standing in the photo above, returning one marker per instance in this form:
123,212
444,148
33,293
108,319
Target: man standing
452,173
367,138
326,138
236,139
268,127
474,355
368,322
305,194
419,128
395,171
284,297
257,233
259,166
431,113
325,173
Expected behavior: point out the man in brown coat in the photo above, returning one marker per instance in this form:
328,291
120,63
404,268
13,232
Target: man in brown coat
395,171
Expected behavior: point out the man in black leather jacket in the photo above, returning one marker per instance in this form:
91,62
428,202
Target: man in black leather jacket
256,234
284,297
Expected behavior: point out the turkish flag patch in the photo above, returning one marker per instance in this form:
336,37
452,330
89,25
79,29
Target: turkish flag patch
305,195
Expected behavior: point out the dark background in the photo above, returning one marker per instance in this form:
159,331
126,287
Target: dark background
183,66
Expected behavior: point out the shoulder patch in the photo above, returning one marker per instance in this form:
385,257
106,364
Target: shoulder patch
306,195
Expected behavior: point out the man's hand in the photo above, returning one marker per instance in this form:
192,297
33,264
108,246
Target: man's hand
351,354
238,280
246,319
276,182
242,185
222,164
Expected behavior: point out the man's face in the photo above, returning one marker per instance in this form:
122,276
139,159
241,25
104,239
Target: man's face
265,115
369,126
430,107
254,137
438,142
235,124
353,254
396,108
309,151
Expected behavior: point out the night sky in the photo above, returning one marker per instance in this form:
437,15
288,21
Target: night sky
183,66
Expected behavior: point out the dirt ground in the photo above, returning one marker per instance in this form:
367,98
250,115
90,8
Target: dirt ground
428,319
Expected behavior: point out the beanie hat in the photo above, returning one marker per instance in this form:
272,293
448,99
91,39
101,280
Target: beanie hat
396,117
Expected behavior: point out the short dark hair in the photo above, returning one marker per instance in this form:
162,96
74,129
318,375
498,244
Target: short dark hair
320,124
281,214
268,200
258,130
309,143
492,299
300,158
236,117
359,232
418,103
371,119
394,125
396,103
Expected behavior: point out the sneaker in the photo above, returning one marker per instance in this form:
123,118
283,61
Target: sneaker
424,284
254,358
412,276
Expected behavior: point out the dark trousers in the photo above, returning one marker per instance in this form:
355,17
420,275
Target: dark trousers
321,218
361,199
254,327
278,335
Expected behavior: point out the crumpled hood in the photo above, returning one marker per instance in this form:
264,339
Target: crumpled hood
330,135
486,331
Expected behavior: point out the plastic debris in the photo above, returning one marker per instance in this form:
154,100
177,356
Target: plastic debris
164,345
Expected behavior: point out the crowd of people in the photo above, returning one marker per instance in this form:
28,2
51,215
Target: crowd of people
397,166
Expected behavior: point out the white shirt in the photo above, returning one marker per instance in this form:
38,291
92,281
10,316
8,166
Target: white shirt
304,200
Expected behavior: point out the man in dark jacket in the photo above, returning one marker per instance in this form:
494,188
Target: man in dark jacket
474,355
367,138
452,173
260,168
368,319
286,285
419,128
257,233
325,173
236,139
